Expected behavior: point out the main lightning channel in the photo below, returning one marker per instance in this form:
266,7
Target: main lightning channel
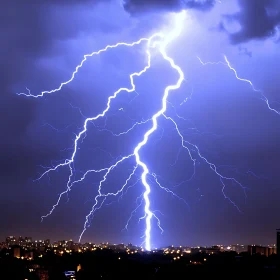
162,48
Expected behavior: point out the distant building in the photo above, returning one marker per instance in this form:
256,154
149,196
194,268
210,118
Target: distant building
120,246
278,241
28,239
21,241
41,248
70,244
29,255
17,252
75,247
213,250
11,240
239,248
265,251
197,250
131,247
272,250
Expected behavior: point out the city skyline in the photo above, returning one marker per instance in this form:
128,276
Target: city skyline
29,242
17,240
68,260
192,143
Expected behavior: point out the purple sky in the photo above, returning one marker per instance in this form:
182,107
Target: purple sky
42,45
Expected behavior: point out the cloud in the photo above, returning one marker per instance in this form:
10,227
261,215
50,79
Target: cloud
257,19
136,7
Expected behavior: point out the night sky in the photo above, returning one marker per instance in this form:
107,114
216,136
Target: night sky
42,43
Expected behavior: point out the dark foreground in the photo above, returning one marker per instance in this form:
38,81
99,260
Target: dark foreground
107,264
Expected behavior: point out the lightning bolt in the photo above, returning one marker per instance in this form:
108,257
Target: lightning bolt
159,42
135,210
162,49
192,147
168,190
86,56
69,162
228,64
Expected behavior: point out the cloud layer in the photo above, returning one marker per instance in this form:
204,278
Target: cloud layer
135,7
257,20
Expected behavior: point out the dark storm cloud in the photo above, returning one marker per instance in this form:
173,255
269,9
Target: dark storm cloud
258,19
139,6
29,30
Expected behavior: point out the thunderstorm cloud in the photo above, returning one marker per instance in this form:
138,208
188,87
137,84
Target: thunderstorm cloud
257,19
140,6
